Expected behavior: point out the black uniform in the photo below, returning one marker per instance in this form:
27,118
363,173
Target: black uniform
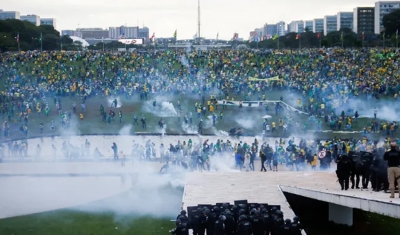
355,169
366,159
343,171
211,218
268,223
257,222
296,228
198,223
219,227
244,228
286,228
230,224
180,230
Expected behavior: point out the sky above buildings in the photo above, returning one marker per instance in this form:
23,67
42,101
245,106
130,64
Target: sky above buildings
222,17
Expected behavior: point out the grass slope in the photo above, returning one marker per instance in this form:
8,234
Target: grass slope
89,219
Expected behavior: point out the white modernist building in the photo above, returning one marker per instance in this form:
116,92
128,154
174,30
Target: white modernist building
330,24
9,15
34,19
281,28
48,21
309,24
296,26
382,9
318,25
345,20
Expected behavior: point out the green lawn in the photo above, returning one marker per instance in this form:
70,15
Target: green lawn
250,119
65,222
90,219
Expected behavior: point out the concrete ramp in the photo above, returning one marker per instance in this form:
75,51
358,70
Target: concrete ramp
256,187
268,187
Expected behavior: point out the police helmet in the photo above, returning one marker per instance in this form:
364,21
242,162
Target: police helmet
242,217
242,212
183,212
295,219
215,209
222,217
278,213
287,221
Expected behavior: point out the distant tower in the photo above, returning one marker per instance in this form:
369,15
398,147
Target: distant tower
198,19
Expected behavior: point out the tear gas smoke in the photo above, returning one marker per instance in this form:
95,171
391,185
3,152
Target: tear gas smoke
165,109
247,123
184,61
110,102
126,130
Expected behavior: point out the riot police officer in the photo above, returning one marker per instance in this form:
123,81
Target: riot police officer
343,171
286,228
257,222
219,226
244,226
180,229
296,226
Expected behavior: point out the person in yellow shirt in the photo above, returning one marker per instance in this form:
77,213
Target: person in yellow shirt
81,117
314,162
273,126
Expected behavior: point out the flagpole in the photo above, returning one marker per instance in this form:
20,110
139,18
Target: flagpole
320,41
341,37
278,41
299,41
19,49
362,39
41,42
125,35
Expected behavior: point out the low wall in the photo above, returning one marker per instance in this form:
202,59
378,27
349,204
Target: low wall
391,209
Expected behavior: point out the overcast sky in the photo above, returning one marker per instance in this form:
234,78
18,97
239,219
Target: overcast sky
164,16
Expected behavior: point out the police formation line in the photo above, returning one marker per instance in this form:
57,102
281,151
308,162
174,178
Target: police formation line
380,168
240,219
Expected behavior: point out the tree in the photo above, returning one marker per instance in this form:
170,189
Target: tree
391,23
29,35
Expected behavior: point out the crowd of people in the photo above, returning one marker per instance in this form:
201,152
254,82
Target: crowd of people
326,79
242,219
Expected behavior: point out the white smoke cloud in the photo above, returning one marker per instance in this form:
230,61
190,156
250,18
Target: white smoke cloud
165,109
110,101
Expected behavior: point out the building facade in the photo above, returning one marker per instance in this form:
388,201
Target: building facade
382,9
68,32
281,28
96,33
34,19
123,31
318,25
48,21
144,33
309,24
364,20
296,26
330,24
344,20
272,29
9,15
